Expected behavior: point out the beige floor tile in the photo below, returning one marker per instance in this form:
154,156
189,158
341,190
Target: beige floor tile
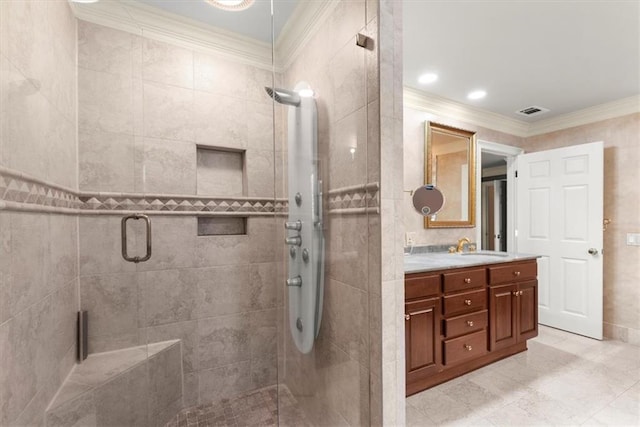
563,379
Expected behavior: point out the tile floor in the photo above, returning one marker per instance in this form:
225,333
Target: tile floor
257,408
563,379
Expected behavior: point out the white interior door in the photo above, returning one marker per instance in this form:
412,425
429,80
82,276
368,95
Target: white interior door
559,217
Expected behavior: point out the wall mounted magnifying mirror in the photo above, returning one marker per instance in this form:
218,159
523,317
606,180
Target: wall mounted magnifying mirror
428,200
450,165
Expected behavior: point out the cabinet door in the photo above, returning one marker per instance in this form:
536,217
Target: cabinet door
422,335
527,310
502,309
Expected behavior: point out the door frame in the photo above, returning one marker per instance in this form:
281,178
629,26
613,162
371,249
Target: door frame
510,153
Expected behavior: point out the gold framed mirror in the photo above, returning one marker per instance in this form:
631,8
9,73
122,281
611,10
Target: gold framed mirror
450,164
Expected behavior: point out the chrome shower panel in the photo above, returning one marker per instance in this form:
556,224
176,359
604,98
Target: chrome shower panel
304,226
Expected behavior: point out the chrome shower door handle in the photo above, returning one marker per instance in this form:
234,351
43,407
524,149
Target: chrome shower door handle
123,232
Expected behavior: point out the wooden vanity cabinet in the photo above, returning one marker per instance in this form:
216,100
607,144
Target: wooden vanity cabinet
461,319
513,304
422,326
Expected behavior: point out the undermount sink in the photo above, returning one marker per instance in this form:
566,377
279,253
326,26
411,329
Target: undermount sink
486,253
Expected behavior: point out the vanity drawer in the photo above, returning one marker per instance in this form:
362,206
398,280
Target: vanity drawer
467,302
465,347
465,324
513,272
466,279
421,286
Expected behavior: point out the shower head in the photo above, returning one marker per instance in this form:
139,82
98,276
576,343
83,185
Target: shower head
284,96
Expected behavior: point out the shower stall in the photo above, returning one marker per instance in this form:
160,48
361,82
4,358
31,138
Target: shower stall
175,243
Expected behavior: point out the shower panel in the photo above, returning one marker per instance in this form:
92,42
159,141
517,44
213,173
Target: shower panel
304,225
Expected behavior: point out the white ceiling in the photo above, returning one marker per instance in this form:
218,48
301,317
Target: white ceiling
561,55
254,22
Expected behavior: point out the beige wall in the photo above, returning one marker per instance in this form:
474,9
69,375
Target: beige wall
621,137
38,251
144,107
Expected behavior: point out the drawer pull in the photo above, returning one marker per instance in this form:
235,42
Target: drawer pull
470,322
467,302
467,280
468,347
407,317
516,273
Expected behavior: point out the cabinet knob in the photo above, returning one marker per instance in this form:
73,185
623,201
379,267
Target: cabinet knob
407,316
467,302
516,273
515,293
520,293
470,322
468,347
467,280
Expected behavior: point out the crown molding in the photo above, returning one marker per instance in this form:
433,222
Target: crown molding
304,22
137,18
610,110
440,106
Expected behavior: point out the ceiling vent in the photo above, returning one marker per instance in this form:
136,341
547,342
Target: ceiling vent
532,111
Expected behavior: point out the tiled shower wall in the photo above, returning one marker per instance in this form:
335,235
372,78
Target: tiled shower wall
144,108
38,251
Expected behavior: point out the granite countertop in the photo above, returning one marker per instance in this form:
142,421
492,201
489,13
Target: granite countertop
420,262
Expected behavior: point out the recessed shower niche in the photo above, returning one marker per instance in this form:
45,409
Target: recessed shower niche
222,226
220,172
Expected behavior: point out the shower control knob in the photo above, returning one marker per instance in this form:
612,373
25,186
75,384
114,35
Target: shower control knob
299,324
298,199
305,255
292,252
293,241
293,225
294,281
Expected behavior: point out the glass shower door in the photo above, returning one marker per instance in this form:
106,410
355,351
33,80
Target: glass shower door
324,377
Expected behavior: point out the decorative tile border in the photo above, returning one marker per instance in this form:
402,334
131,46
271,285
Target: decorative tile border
21,192
178,203
18,188
355,199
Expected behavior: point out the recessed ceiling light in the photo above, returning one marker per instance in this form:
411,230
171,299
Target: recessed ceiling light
477,94
427,78
231,5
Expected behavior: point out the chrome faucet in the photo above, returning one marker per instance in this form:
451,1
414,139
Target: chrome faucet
461,243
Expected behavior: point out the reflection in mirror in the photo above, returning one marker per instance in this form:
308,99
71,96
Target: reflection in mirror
450,165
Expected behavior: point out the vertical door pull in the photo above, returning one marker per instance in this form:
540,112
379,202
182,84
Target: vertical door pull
123,226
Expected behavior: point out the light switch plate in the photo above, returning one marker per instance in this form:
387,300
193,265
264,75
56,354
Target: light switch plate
633,239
